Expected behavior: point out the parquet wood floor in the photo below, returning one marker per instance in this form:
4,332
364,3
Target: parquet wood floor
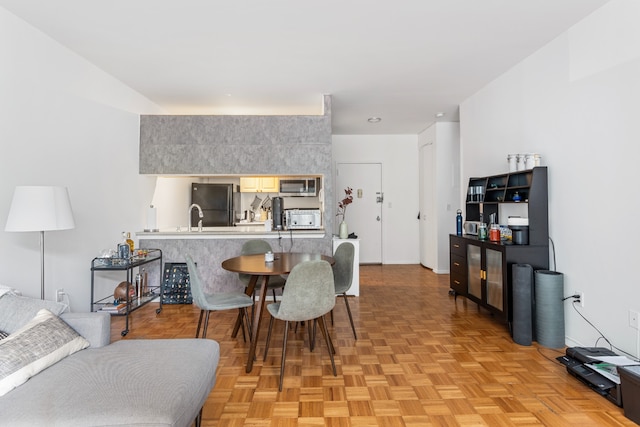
421,359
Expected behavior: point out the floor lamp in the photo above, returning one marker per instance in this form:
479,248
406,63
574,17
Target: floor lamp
38,208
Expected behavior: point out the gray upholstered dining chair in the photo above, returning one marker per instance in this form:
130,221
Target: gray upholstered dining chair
208,302
343,276
309,295
259,246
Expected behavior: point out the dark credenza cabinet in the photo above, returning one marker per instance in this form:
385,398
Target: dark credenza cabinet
481,270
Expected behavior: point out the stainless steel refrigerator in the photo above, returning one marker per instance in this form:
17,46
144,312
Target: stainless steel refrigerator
216,201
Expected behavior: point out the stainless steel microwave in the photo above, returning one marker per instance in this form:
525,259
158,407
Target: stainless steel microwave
299,187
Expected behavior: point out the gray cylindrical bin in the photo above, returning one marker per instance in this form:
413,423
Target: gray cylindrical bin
522,303
549,308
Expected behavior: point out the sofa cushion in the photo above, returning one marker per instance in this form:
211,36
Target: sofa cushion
131,382
16,310
43,341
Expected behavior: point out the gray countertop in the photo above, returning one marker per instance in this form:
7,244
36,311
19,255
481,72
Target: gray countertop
238,232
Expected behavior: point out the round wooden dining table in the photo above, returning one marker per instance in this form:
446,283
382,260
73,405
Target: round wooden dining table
256,266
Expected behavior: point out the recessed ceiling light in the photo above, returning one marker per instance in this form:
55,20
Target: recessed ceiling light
374,119
439,114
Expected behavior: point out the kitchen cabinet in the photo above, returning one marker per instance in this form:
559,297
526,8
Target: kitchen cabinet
458,265
477,272
259,184
487,277
481,270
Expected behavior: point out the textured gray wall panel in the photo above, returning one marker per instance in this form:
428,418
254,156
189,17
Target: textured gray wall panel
237,145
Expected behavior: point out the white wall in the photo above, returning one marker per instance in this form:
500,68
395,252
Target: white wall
438,214
576,102
398,155
65,122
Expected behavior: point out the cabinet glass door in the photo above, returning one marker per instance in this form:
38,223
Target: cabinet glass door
474,270
494,278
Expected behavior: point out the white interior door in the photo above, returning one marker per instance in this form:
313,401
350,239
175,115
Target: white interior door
364,215
428,237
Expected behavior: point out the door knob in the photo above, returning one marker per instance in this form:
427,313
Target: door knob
378,218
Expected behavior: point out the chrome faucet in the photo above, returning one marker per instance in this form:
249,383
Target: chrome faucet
200,215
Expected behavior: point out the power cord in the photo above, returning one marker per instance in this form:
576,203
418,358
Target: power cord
611,346
290,239
553,249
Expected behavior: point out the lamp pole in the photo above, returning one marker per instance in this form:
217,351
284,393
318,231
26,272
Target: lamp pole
41,264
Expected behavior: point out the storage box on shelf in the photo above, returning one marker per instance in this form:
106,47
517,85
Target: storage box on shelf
481,270
128,265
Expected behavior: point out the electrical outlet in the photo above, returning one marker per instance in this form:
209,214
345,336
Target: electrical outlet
580,296
59,295
634,319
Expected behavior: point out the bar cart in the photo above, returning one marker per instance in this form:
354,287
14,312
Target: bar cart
127,265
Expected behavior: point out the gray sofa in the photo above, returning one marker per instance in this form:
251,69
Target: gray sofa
126,383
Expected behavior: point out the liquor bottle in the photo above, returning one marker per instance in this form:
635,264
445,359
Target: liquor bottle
129,242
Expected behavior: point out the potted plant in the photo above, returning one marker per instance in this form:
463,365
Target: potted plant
342,210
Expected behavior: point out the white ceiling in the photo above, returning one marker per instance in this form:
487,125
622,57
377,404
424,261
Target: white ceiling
402,61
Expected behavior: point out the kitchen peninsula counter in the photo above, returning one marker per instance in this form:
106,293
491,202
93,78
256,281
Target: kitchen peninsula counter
215,244
237,232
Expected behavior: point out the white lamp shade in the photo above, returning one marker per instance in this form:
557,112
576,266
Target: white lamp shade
40,208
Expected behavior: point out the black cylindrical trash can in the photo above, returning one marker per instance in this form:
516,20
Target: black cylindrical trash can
549,308
278,213
522,303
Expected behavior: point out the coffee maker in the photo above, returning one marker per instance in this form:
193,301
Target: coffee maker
278,213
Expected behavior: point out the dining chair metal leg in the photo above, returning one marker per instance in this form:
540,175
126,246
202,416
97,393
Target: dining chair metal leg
266,347
353,327
284,352
206,324
312,335
240,315
246,317
199,323
331,350
237,325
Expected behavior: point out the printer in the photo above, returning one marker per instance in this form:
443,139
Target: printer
576,359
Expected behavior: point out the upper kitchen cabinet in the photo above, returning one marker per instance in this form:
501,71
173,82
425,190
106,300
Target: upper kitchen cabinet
259,184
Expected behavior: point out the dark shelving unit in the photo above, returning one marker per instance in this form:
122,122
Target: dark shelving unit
481,270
